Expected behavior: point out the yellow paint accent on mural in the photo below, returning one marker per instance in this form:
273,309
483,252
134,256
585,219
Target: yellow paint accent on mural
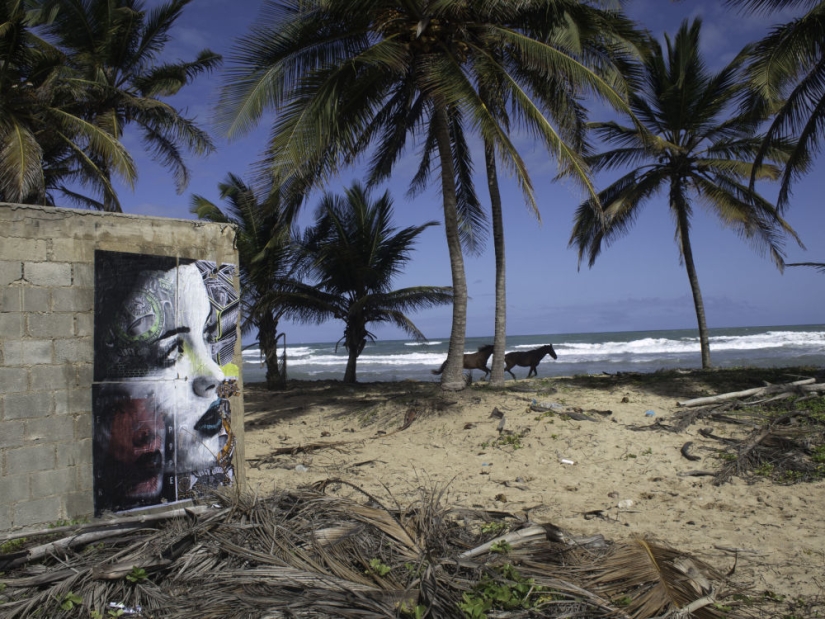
231,370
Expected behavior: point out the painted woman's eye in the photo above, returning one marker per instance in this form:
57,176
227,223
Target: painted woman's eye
171,353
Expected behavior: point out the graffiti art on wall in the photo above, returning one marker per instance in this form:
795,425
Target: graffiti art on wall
165,334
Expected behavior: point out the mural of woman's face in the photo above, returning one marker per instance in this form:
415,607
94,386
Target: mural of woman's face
161,427
184,376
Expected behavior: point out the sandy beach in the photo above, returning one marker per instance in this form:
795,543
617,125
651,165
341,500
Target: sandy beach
519,450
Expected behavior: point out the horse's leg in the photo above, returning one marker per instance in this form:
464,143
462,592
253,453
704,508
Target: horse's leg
533,371
507,369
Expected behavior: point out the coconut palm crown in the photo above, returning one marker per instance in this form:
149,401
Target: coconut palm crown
695,152
114,48
352,255
786,73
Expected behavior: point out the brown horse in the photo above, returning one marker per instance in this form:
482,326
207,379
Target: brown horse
527,358
474,361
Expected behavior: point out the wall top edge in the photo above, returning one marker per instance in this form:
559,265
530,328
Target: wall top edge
60,211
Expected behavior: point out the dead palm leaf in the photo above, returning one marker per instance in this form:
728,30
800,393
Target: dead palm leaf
650,578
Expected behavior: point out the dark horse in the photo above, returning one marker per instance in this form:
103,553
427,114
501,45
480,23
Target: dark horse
474,361
527,358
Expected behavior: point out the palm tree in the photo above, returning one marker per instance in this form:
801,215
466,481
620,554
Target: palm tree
114,47
348,77
266,261
786,71
353,253
45,139
693,150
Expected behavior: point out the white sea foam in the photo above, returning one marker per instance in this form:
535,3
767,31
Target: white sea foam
388,360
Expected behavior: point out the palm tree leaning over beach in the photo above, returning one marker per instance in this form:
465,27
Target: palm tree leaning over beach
695,151
786,72
266,262
45,138
352,254
345,76
113,47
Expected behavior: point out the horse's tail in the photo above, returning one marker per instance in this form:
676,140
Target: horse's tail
437,372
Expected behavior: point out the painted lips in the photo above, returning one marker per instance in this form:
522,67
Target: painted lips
210,423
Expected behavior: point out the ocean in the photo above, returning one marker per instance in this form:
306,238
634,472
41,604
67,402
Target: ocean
578,353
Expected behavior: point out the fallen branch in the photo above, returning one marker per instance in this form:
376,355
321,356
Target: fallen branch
798,385
192,510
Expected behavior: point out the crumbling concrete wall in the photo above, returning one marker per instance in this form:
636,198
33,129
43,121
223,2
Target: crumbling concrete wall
47,279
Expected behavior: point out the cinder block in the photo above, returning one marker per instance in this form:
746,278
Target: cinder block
18,248
11,435
57,377
85,373
80,504
77,453
28,405
48,483
80,400
6,522
48,274
10,271
38,512
11,299
50,430
84,324
11,325
51,325
74,350
13,380
72,250
82,427
85,478
30,459
72,299
35,299
14,488
27,352
83,274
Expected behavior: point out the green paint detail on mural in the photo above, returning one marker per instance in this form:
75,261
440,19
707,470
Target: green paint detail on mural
230,370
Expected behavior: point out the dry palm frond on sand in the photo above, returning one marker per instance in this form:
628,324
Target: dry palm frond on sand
311,554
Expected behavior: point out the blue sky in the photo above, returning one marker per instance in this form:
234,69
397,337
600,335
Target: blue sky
636,284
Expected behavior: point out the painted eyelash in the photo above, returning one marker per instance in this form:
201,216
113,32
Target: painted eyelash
165,359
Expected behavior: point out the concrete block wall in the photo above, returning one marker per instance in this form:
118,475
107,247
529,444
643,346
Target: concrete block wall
46,346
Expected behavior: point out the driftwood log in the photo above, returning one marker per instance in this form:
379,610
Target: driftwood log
806,385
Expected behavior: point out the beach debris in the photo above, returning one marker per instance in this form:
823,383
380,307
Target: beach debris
304,556
650,413
124,610
496,414
300,468
578,415
566,461
625,504
501,425
501,497
802,387
685,453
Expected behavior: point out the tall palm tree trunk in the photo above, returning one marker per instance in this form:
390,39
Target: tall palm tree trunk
355,339
500,332
268,342
690,266
452,378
